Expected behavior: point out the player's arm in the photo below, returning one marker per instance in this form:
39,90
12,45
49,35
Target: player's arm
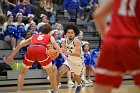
6,1
77,49
57,47
19,46
101,14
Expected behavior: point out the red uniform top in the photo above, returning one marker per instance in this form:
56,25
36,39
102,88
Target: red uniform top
125,19
40,39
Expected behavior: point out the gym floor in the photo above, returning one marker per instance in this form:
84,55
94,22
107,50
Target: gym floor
126,87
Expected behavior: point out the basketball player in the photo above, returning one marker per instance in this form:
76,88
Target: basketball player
121,44
74,62
37,51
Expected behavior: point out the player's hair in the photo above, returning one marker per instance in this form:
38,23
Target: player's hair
73,27
21,1
46,28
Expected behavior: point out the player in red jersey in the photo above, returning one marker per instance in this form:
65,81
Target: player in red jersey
37,51
120,51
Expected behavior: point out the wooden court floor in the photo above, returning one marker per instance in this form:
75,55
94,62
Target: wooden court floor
126,87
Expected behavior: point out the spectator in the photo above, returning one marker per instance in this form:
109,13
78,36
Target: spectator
84,8
44,21
23,8
80,37
70,7
33,28
9,29
59,27
51,13
91,24
60,32
41,10
20,26
23,50
55,34
32,6
8,5
1,12
30,20
89,62
2,20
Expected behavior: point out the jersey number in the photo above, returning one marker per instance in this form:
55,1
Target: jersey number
127,8
40,37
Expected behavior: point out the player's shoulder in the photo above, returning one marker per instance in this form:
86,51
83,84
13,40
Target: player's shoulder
76,40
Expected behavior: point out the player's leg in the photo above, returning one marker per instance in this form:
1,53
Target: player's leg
132,57
136,78
21,78
109,69
77,79
138,86
92,69
99,88
69,76
77,70
63,69
51,71
83,76
27,63
10,40
89,74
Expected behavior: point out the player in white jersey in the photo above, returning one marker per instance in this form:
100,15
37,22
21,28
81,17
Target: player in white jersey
74,62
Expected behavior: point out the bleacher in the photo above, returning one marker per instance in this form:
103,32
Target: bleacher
39,76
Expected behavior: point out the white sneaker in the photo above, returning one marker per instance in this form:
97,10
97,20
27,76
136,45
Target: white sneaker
70,82
48,78
85,81
19,91
90,81
82,78
76,83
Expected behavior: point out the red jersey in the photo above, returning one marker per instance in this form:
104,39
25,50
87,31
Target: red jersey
125,19
41,39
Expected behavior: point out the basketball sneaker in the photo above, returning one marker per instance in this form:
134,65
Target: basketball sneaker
85,81
54,92
70,82
78,89
19,91
90,81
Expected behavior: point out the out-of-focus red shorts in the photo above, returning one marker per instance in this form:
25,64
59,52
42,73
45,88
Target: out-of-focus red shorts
36,53
118,56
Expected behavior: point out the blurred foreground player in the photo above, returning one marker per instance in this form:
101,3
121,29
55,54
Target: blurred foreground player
120,51
37,51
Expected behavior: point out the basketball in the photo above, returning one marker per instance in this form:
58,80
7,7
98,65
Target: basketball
53,54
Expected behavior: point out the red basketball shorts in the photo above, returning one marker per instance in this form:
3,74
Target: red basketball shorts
118,56
36,53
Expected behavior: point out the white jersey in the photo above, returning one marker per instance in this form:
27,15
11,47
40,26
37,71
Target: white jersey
71,48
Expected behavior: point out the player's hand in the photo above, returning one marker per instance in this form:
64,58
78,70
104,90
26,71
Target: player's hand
107,29
9,59
65,58
105,32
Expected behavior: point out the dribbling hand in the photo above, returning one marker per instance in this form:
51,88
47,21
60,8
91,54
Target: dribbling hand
65,58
